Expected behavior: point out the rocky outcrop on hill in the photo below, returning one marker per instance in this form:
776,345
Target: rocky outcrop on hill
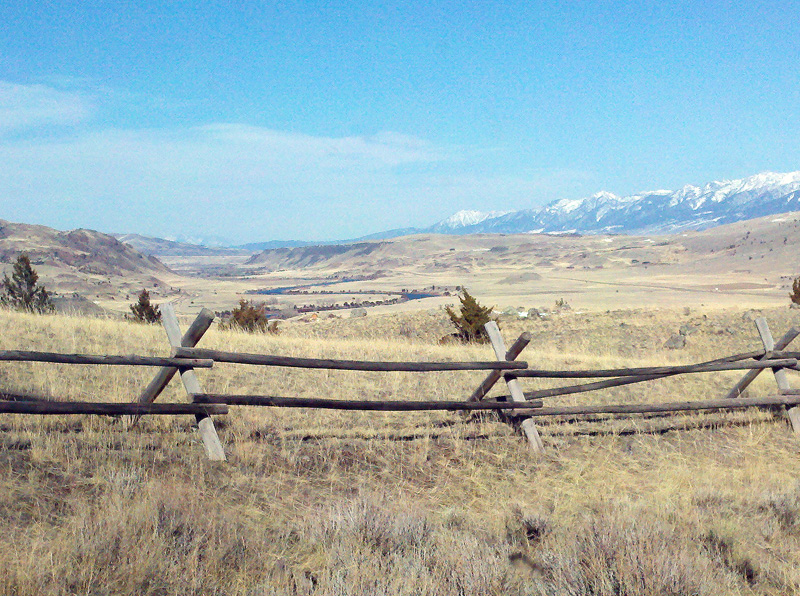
77,305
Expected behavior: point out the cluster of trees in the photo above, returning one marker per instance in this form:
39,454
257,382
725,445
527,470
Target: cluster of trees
345,305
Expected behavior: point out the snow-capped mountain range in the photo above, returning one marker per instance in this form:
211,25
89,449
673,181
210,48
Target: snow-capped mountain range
651,212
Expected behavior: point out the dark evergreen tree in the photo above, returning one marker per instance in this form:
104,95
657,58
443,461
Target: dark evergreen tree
143,311
23,291
470,319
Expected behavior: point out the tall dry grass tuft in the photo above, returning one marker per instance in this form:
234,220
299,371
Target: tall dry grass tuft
366,547
626,552
136,538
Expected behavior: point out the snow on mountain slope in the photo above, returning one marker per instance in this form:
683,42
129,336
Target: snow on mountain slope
463,219
690,207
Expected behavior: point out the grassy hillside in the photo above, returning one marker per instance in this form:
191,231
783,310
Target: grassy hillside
329,503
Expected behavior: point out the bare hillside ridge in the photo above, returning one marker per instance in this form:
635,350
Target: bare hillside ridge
86,251
159,247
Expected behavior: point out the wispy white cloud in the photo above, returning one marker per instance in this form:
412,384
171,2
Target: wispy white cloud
242,181
26,106
383,150
158,181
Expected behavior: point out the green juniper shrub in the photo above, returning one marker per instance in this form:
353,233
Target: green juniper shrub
251,317
470,319
143,311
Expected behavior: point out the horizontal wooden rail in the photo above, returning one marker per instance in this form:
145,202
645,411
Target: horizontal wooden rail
288,361
571,389
109,409
713,404
132,360
616,382
777,354
653,370
755,354
352,404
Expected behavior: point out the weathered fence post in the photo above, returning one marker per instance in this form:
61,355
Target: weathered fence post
190,339
515,350
200,325
750,376
527,424
781,377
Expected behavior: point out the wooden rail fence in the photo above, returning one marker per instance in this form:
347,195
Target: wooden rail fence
519,408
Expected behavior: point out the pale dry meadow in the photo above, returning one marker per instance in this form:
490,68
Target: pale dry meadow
341,503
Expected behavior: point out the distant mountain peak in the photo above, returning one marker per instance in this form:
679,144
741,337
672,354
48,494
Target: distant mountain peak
658,211
605,195
769,178
466,218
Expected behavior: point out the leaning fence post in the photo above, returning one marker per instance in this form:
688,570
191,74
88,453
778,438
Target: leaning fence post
515,350
780,375
205,424
750,376
528,426
190,339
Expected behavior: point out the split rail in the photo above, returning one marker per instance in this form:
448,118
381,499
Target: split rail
519,408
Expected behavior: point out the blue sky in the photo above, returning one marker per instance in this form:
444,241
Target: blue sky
323,120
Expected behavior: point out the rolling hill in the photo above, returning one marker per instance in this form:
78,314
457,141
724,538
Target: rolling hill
83,265
159,247
82,251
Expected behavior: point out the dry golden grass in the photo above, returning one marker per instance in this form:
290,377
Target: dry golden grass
338,503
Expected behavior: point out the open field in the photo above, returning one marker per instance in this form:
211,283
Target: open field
750,262
744,263
335,503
